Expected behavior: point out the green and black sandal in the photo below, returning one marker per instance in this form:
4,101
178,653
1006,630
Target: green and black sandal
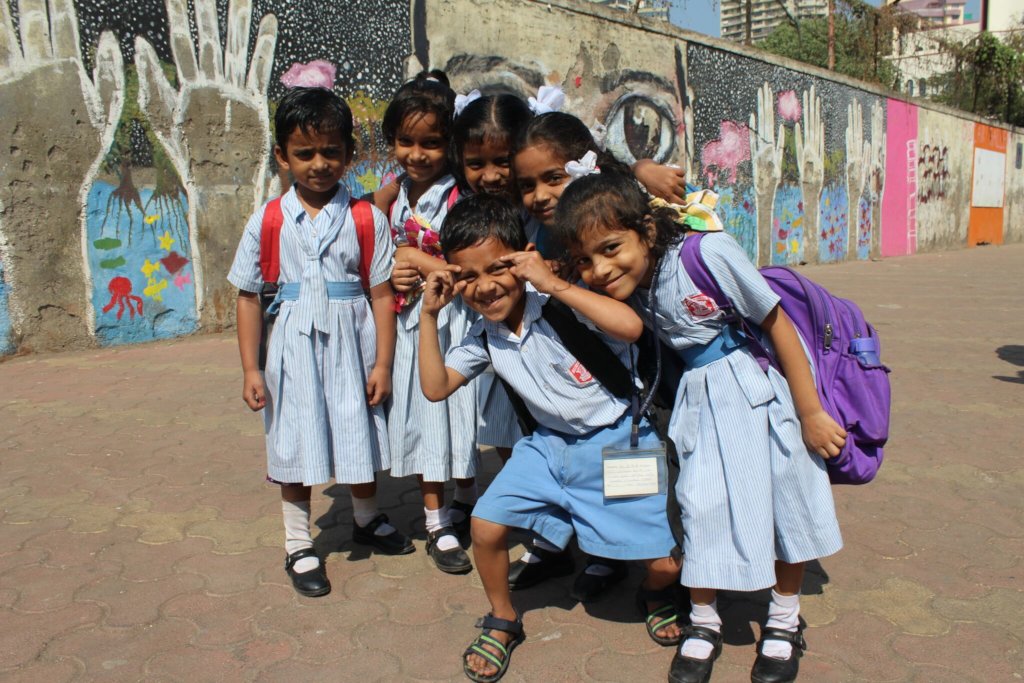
660,617
484,640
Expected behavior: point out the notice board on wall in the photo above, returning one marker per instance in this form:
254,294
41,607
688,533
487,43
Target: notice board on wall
989,178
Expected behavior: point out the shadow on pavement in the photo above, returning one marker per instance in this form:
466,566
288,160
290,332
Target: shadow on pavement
1011,353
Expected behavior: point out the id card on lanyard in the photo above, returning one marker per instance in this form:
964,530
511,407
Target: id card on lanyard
634,472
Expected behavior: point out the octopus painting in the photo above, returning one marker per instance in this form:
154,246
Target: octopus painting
120,289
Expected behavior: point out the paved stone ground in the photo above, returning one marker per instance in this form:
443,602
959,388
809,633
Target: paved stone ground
137,540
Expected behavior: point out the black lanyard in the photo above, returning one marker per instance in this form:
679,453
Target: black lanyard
637,408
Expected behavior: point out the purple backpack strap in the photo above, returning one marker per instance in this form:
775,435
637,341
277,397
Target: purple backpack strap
697,268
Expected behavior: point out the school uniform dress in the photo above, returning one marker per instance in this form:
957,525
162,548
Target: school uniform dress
436,440
748,488
323,347
553,483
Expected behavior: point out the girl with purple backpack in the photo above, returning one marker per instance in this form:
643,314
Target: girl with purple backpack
753,488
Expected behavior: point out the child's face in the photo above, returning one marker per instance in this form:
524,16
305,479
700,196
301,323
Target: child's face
614,261
487,166
317,161
420,148
491,289
540,179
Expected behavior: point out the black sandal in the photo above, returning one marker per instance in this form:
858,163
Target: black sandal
659,618
489,623
771,670
690,669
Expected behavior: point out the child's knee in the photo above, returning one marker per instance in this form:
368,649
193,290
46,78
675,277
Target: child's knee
488,534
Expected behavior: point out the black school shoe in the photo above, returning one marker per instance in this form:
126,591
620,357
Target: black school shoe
589,587
691,669
772,670
522,574
454,561
395,543
313,583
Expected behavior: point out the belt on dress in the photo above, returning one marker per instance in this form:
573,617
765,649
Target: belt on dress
289,291
726,342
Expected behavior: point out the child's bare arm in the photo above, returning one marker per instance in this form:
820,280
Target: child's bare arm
438,381
249,316
666,182
385,196
614,318
822,434
378,384
425,263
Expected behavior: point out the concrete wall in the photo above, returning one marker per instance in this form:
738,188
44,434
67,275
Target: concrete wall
136,140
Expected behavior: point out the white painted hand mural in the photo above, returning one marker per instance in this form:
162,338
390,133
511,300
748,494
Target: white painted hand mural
59,121
876,174
216,130
810,162
766,150
856,172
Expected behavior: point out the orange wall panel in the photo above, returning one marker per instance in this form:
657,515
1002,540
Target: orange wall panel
986,222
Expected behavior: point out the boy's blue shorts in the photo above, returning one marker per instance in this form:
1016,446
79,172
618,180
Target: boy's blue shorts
553,485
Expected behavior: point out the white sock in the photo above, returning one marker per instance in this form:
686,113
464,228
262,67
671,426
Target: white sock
436,520
538,542
296,533
597,568
364,510
784,614
466,494
706,616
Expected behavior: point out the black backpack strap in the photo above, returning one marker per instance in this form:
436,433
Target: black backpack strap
527,423
581,341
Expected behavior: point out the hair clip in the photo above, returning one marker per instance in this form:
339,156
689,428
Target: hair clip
599,132
462,101
583,167
549,98
698,213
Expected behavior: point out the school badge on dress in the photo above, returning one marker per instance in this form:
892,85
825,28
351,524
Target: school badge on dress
700,306
580,373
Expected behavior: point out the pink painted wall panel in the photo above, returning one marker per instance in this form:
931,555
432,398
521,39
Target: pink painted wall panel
899,203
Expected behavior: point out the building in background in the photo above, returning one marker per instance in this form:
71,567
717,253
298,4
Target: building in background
935,13
651,9
765,15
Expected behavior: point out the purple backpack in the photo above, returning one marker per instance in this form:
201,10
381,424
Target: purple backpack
853,385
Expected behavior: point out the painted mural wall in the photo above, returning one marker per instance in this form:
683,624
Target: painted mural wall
138,137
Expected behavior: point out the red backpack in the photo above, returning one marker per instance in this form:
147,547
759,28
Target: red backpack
270,239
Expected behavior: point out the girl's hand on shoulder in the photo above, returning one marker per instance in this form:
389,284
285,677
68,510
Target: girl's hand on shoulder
666,182
822,434
254,392
378,385
405,277
441,288
531,267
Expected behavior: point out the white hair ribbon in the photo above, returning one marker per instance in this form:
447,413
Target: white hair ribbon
461,101
584,167
549,98
599,132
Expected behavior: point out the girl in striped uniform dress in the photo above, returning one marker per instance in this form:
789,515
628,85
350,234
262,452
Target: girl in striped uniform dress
754,493
328,369
434,441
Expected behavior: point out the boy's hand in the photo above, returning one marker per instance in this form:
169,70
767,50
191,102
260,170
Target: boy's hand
253,390
405,277
378,385
441,288
531,267
822,434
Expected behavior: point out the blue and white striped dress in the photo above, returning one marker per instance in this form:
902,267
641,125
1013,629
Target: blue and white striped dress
436,440
318,423
749,490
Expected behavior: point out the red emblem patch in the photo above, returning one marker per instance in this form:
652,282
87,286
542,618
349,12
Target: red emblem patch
700,305
580,373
